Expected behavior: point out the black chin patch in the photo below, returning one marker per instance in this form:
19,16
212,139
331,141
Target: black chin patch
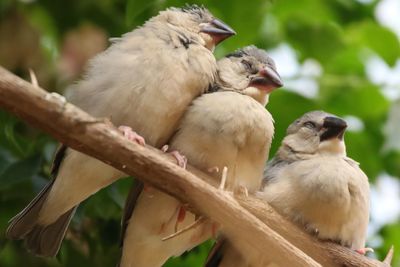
332,133
335,128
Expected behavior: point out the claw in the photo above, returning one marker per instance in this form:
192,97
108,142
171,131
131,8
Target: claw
131,135
363,251
213,169
165,148
181,160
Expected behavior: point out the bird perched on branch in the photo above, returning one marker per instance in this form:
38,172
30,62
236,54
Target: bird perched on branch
145,81
227,128
312,182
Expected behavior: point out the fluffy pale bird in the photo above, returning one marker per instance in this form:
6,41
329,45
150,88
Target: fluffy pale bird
313,183
144,81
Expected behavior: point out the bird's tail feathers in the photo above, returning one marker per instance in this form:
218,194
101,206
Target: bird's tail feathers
43,240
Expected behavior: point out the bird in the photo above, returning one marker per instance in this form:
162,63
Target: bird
313,183
228,127
142,83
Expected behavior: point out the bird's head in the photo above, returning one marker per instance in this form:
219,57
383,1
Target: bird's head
249,71
317,132
197,21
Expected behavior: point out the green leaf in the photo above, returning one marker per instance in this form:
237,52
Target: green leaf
376,37
43,21
361,147
20,171
194,258
392,163
310,10
136,7
119,190
5,159
350,95
102,206
347,61
315,40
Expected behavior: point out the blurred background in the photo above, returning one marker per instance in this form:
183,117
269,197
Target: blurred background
342,56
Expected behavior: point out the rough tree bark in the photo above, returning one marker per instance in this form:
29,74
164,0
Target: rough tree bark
97,138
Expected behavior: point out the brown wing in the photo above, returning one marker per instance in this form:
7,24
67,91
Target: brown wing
130,204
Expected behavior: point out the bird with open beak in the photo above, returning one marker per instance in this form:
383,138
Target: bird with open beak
312,182
229,127
144,81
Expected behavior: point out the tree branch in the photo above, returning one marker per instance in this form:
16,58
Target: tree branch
328,254
99,139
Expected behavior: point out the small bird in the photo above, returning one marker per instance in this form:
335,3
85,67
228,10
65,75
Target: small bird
229,127
145,80
312,182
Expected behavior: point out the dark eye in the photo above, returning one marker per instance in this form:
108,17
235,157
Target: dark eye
247,64
309,124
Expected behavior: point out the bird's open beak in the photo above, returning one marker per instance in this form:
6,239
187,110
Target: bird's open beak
267,79
218,30
335,128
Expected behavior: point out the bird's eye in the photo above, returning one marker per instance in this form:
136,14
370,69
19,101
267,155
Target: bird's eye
247,64
309,124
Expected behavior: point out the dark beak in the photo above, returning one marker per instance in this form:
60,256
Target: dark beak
267,79
335,128
218,30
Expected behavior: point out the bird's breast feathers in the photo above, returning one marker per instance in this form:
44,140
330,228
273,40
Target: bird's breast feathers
229,115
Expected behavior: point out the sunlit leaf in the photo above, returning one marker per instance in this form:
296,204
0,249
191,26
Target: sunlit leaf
378,38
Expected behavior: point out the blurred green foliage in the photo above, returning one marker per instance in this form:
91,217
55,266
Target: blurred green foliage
340,35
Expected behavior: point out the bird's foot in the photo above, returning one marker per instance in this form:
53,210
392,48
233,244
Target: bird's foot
181,160
364,251
131,135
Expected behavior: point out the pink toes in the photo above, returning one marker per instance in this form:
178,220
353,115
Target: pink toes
363,251
180,159
131,135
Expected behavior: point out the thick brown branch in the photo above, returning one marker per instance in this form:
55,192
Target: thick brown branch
96,138
327,253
